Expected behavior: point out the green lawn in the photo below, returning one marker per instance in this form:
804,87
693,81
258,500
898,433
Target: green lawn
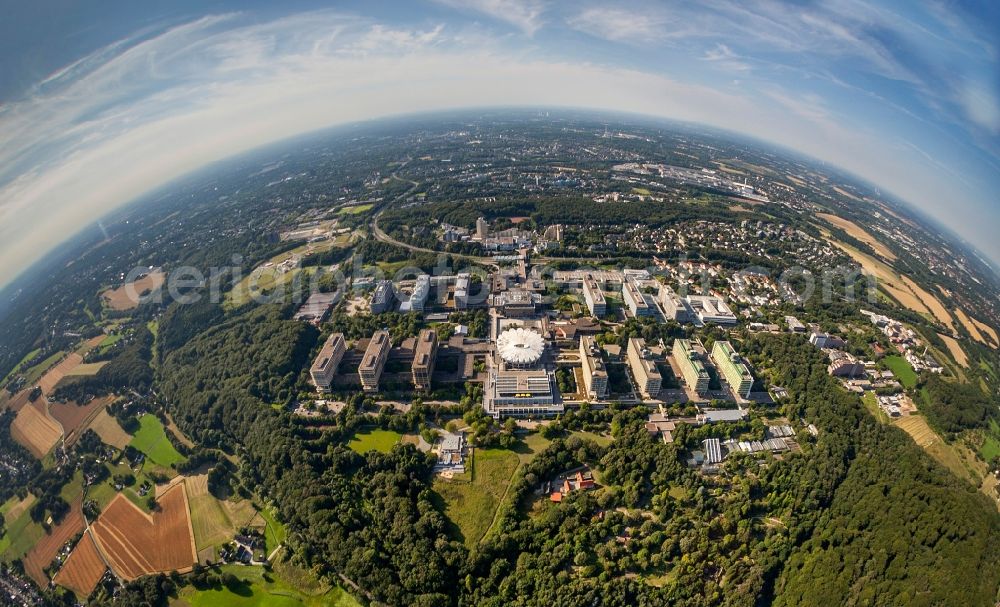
35,373
374,440
260,588
275,532
152,440
991,445
471,502
870,401
17,367
355,210
902,369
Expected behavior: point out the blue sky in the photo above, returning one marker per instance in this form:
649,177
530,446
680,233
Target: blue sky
101,102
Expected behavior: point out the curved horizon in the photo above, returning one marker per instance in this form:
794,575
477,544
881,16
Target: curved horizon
164,101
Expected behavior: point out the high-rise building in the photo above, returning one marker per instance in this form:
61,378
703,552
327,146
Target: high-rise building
374,359
324,368
731,367
382,297
594,296
482,228
424,355
595,376
644,368
635,299
687,355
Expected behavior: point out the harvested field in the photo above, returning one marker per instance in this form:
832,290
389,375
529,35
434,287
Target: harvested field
19,508
908,293
139,544
955,348
215,521
987,331
858,232
83,569
85,369
127,297
55,375
45,549
35,429
109,430
76,418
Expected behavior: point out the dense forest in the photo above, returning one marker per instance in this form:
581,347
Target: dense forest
861,515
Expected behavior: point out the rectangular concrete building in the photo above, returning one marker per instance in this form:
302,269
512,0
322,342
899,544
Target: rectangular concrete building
373,362
644,369
324,368
594,296
382,298
595,376
732,369
635,299
424,355
688,358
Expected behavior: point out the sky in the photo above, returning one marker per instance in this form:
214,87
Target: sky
104,101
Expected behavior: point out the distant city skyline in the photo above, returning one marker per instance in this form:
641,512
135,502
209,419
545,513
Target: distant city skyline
100,106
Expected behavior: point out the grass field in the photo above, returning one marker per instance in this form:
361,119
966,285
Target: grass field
260,588
275,532
215,521
33,374
20,534
471,500
374,440
151,439
991,445
871,403
902,369
17,367
355,210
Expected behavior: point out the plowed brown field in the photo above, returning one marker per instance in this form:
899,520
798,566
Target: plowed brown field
83,569
138,544
45,550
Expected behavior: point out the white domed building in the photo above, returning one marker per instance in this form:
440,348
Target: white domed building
520,348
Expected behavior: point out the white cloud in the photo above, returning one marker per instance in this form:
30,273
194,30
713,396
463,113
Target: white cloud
127,121
619,24
526,15
981,105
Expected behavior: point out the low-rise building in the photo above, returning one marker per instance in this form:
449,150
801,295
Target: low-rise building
710,309
522,394
825,340
462,285
424,355
732,368
644,370
595,376
373,361
688,356
324,368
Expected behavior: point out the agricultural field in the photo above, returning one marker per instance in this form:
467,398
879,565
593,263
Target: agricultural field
355,209
15,507
152,440
902,370
51,379
374,440
140,544
18,366
908,293
127,297
955,349
471,500
75,418
285,586
859,233
971,326
948,455
49,545
20,534
83,569
34,373
86,369
214,521
35,429
109,430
